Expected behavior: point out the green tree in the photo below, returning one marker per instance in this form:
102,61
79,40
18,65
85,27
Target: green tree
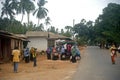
68,28
56,31
69,31
16,28
52,29
41,11
31,26
107,25
47,22
30,7
21,9
40,27
4,23
62,32
7,9
82,31
91,33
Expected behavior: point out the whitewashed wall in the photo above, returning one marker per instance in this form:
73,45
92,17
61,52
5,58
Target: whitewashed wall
39,43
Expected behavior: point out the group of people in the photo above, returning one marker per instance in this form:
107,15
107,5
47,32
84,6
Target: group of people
28,55
63,52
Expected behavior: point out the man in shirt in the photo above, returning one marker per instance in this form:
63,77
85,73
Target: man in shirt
16,58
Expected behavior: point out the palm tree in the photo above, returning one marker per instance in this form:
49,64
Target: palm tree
47,22
52,29
21,8
62,31
68,28
41,12
40,27
14,4
7,9
25,6
29,8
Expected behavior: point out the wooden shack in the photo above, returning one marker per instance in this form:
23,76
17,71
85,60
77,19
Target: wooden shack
8,41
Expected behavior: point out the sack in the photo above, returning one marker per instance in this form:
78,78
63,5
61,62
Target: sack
63,56
56,54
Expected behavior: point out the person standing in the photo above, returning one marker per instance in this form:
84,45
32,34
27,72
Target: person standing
78,57
16,58
73,54
26,55
113,53
62,56
34,54
48,51
31,53
68,54
55,55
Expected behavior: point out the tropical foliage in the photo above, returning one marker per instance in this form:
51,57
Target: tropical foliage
41,11
107,25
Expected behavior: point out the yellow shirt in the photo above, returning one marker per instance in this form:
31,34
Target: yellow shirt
16,54
34,55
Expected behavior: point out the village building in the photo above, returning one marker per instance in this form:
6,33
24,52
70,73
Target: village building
37,39
41,40
8,41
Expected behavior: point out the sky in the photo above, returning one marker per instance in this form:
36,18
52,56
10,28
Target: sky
62,12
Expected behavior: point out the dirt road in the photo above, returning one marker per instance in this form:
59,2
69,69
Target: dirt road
45,70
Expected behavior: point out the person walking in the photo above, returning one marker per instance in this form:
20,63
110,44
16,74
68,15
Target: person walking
16,58
34,54
31,53
113,53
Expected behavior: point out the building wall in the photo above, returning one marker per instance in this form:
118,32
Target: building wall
39,43
5,49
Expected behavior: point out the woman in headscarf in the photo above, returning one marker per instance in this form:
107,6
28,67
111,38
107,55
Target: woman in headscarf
113,53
